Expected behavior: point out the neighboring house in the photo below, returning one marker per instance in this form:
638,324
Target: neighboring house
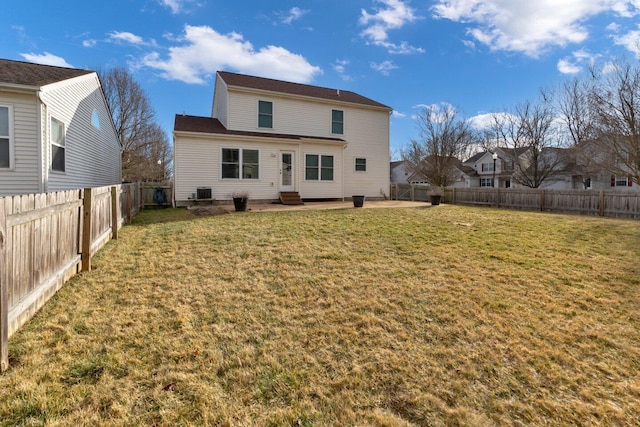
56,131
268,136
401,173
478,170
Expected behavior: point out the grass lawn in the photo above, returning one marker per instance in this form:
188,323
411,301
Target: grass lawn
372,317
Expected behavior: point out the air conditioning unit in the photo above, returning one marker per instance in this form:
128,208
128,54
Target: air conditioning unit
203,193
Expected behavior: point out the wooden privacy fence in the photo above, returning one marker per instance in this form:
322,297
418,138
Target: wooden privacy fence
620,204
45,239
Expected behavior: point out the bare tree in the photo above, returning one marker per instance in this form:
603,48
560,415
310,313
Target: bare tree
529,137
615,101
143,141
444,139
578,120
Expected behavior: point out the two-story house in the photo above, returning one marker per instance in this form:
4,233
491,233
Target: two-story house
56,131
266,137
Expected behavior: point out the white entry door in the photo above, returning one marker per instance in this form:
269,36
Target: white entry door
287,178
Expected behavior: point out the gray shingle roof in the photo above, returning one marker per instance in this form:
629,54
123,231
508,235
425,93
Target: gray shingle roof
261,83
184,123
29,74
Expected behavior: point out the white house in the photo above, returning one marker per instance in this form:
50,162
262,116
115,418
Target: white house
56,131
267,137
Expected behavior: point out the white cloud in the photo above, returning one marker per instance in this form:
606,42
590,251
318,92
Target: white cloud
126,37
613,27
567,67
46,59
205,51
630,41
532,26
89,43
393,16
293,14
574,64
384,67
176,6
398,114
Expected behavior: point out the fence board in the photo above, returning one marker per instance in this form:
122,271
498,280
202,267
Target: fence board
41,246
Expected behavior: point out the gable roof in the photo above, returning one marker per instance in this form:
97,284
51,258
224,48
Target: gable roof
29,74
184,123
271,85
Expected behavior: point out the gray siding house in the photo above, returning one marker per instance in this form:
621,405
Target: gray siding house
56,131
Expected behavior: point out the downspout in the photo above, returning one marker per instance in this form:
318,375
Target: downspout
43,169
344,147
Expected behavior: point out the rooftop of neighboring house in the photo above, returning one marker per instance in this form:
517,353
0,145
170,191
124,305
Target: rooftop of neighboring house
185,123
37,75
271,85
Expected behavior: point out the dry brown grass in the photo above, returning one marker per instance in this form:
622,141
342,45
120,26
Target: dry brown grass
430,316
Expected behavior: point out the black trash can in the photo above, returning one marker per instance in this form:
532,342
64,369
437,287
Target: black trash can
358,201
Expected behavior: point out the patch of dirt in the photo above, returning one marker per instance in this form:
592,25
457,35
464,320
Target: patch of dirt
207,210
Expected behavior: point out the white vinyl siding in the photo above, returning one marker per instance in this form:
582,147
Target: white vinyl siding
92,155
24,175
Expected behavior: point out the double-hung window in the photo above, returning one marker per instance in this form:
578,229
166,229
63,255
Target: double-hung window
337,122
487,167
361,164
318,167
58,145
265,114
5,138
486,182
240,163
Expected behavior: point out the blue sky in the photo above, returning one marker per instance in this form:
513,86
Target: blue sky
481,56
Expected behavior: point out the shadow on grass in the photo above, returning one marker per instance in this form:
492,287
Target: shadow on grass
161,216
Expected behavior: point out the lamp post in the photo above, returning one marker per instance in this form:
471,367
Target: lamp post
495,157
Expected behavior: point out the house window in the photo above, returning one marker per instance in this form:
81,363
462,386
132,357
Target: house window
318,168
235,160
95,119
265,114
361,164
621,181
587,183
57,145
5,138
487,167
486,182
337,122
508,165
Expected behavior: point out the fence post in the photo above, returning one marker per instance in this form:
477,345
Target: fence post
601,203
541,200
114,213
498,197
413,193
86,229
4,294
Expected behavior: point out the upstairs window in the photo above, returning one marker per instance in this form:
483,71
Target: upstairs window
487,167
318,168
240,164
58,145
265,114
337,122
621,181
5,138
361,164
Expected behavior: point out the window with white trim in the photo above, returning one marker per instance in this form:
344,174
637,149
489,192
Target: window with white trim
337,122
486,182
318,168
361,164
487,167
621,181
240,163
265,114
6,143
58,146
